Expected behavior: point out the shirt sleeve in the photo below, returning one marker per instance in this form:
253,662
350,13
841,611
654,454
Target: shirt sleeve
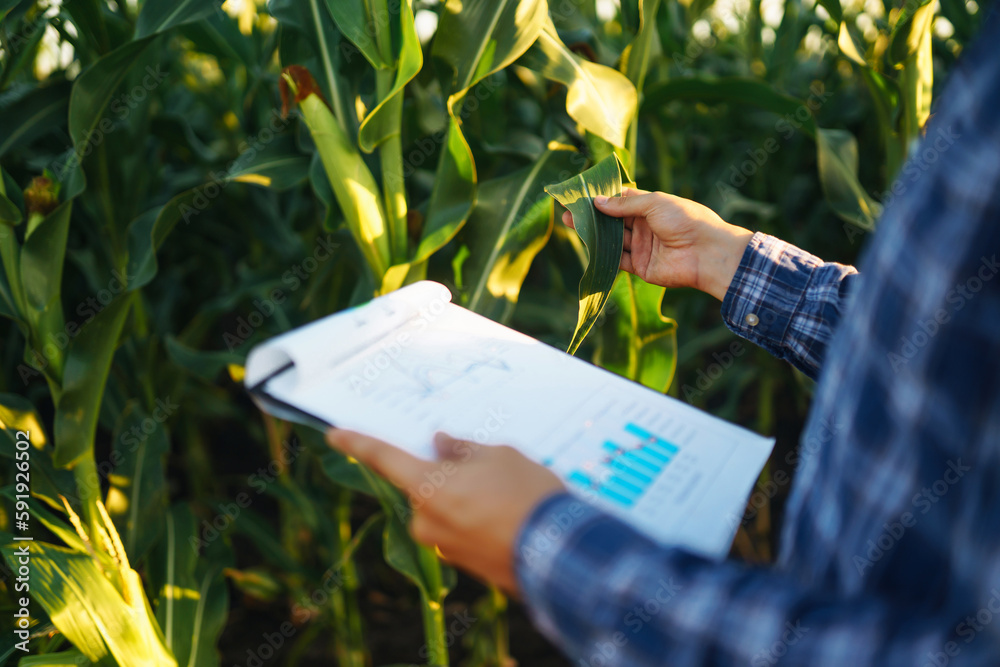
787,301
607,595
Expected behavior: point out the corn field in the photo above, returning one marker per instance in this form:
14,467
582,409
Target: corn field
182,179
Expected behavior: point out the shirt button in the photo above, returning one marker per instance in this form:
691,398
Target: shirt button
752,319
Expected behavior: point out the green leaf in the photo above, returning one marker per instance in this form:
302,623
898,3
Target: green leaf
93,89
381,124
58,527
279,165
357,24
480,37
635,58
402,553
6,6
62,659
602,235
635,61
354,186
636,340
160,15
41,266
848,47
833,8
599,98
731,90
192,599
510,223
89,610
87,366
476,38
910,49
312,19
10,214
206,365
262,535
24,54
453,194
346,472
42,259
908,33
47,483
148,232
137,495
89,20
34,115
837,153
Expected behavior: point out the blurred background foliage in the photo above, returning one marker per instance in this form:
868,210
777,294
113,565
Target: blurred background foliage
159,215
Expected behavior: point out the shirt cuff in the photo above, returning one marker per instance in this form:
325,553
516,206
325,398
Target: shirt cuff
767,290
565,543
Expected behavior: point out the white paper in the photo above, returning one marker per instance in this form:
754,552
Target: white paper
410,364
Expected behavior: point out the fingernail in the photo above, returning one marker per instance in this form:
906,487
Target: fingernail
600,200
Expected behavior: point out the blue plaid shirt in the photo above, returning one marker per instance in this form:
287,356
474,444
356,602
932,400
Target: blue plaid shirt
891,543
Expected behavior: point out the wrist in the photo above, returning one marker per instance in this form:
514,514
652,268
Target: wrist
719,257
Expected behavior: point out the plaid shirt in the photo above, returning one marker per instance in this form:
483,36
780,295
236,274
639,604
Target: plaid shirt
891,543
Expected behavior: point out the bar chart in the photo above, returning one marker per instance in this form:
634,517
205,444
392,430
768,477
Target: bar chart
628,466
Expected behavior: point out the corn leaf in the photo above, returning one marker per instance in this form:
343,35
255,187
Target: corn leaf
353,184
381,123
160,15
61,659
18,414
93,89
480,37
34,115
837,154
602,235
476,38
148,232
731,90
6,6
205,364
453,194
312,20
510,223
279,166
599,98
10,213
357,24
636,56
89,20
94,614
192,598
833,8
12,300
56,526
87,366
636,340
910,49
42,259
137,496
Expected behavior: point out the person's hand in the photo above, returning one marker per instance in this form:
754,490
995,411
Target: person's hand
675,242
470,503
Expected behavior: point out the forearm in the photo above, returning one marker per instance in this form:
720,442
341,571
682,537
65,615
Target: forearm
607,595
720,249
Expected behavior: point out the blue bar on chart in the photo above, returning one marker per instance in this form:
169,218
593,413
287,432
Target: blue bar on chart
629,470
652,441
